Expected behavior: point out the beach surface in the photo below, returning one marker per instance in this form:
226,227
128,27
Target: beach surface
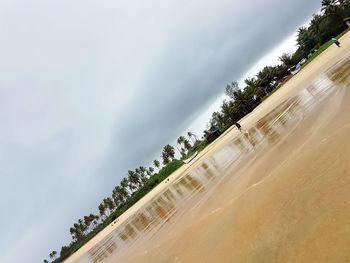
279,193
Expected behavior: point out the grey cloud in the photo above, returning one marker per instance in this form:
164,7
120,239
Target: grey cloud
195,67
90,89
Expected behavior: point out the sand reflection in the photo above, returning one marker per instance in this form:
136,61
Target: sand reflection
192,187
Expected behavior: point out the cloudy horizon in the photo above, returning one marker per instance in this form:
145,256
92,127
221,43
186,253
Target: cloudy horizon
90,89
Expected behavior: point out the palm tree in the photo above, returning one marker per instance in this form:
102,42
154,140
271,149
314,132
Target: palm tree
143,169
156,163
150,171
180,140
123,192
132,187
181,152
168,153
96,219
231,89
315,23
285,58
226,109
242,102
77,230
165,158
115,197
125,184
87,221
82,226
109,204
52,255
306,40
266,76
218,119
187,144
331,7
134,178
183,142
73,233
142,173
251,82
190,135
102,209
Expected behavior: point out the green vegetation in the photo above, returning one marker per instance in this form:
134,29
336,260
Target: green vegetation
241,101
108,211
321,49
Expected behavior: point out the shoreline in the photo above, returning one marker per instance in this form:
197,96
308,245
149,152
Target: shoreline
295,84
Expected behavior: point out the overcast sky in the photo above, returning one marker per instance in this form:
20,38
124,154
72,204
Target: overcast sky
90,89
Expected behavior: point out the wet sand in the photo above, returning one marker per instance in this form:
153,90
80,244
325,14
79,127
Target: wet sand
280,194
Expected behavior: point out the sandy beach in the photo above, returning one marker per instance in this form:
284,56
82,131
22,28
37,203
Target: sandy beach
286,202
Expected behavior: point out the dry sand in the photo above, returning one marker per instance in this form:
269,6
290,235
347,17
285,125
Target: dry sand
292,204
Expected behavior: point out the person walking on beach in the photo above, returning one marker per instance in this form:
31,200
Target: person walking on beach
336,42
239,127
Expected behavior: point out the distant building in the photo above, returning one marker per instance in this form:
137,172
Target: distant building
213,134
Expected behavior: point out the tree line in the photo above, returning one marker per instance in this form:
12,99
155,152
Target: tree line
241,101
137,183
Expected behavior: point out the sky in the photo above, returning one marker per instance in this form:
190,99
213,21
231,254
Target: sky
90,89
287,45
